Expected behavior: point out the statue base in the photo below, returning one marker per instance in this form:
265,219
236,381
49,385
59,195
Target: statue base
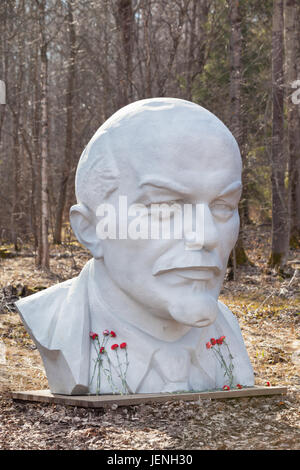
101,401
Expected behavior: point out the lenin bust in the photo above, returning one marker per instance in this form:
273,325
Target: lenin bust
157,294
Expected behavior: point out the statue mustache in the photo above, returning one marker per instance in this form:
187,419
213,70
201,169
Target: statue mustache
190,260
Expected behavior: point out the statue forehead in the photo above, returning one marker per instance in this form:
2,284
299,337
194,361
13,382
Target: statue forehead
168,131
164,136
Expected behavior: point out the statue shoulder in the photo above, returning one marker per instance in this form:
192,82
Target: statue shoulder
45,297
57,319
39,311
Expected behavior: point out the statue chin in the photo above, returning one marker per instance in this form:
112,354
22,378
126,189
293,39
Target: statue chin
199,312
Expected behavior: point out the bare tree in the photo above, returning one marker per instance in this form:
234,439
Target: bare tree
293,119
67,159
43,249
279,202
4,55
236,122
124,20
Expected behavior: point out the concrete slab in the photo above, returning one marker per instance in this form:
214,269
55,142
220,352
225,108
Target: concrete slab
100,401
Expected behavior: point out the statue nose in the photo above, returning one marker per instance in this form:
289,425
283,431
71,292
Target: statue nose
192,241
206,235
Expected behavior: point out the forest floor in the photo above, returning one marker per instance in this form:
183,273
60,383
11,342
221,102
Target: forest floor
267,307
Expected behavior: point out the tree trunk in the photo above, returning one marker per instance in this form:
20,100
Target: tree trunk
15,107
43,258
69,129
16,171
291,37
124,19
279,203
235,104
4,60
35,166
191,51
147,25
44,163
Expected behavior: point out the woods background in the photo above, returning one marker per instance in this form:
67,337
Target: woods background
70,64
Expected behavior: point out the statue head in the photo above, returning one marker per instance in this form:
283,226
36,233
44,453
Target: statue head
163,151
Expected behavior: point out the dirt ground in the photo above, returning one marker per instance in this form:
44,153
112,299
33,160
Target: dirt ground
267,307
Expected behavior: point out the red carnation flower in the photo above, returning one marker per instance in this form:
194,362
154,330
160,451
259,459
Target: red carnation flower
239,386
114,346
102,350
93,335
222,338
123,345
226,387
213,341
219,341
113,334
106,332
268,384
208,345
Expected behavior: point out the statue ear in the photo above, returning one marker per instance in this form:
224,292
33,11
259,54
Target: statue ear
83,225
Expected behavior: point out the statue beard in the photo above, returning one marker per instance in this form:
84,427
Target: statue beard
197,311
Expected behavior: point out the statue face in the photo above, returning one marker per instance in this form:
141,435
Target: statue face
186,163
163,160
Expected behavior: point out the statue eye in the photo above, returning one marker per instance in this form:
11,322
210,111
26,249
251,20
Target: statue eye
222,209
155,205
165,209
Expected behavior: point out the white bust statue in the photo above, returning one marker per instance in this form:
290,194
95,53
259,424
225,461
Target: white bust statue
160,296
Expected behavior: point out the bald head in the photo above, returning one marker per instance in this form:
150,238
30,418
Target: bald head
157,135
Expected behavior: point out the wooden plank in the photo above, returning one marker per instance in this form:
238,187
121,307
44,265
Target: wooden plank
99,401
